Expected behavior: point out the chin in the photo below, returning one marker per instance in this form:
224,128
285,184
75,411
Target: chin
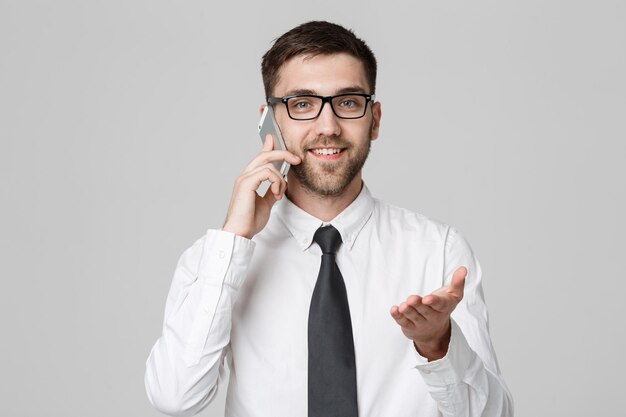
324,184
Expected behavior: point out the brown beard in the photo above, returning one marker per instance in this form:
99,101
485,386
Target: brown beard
333,179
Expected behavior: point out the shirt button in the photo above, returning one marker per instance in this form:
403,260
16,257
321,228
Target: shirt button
221,254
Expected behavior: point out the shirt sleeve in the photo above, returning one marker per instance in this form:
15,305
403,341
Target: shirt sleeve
185,364
467,381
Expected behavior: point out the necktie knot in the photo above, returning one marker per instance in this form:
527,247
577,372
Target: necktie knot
328,238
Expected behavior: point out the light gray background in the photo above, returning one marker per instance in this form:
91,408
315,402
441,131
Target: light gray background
124,124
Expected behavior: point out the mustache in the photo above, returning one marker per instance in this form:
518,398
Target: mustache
326,142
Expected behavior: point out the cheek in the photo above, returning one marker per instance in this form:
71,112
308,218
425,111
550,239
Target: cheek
293,136
358,133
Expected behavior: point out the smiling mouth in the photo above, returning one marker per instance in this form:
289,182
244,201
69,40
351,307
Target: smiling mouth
327,153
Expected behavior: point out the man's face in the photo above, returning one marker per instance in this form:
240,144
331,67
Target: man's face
333,150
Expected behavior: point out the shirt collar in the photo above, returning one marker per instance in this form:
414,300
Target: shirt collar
349,222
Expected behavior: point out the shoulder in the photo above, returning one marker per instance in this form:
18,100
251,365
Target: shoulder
408,222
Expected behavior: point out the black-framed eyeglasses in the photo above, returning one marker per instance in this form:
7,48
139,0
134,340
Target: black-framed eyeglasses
309,107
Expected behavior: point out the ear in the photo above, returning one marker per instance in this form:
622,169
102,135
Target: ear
376,115
262,109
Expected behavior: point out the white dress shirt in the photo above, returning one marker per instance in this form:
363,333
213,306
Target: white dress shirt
246,302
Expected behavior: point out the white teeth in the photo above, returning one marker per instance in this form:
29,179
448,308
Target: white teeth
326,151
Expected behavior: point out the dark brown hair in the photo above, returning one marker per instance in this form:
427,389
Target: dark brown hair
311,39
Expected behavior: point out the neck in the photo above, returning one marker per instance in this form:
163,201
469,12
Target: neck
323,207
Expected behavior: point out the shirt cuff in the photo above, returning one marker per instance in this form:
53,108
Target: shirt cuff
225,258
451,368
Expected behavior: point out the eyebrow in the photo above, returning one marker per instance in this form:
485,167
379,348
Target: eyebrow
304,91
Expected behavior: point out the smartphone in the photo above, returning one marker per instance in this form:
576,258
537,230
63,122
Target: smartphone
268,125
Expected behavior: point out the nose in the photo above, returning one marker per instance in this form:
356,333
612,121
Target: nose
327,124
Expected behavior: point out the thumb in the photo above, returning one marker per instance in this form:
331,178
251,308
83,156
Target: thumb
458,282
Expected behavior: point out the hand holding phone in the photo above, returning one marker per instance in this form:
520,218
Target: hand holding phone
250,204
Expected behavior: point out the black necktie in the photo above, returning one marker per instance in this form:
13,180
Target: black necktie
332,369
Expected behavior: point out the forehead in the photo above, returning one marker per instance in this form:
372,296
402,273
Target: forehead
321,74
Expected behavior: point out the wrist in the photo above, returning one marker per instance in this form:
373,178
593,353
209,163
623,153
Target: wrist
435,348
237,231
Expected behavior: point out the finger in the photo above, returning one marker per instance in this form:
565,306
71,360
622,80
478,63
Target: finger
428,312
276,187
438,303
279,190
287,156
284,187
270,156
277,155
268,144
263,168
253,179
400,318
458,283
410,312
414,300
278,184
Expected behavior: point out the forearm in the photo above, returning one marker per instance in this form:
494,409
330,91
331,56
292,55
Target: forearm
183,368
462,385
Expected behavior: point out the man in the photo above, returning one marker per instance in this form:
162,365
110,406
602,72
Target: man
304,336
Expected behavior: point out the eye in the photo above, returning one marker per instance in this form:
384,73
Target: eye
303,104
348,103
